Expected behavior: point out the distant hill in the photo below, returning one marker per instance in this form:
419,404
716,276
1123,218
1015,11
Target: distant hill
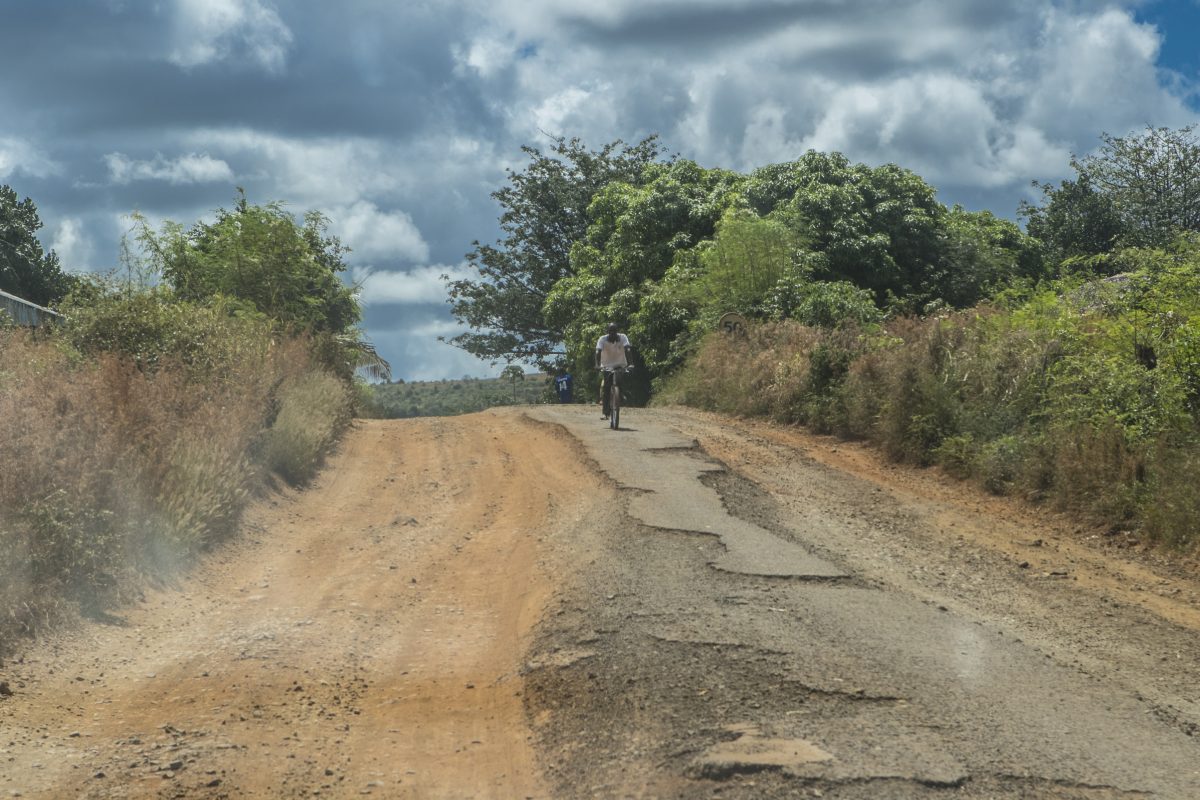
449,397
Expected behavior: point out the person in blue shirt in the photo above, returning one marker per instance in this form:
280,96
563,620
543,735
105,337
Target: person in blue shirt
562,385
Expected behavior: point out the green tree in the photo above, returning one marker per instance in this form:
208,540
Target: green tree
748,257
882,229
543,213
262,256
25,269
879,228
637,233
1075,220
260,259
984,253
514,373
822,304
1140,190
1153,180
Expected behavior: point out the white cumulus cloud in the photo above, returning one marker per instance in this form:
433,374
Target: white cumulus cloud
419,285
1098,73
187,169
216,30
18,155
375,235
316,171
484,56
72,244
979,95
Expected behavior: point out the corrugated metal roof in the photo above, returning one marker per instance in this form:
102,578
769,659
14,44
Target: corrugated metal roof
24,312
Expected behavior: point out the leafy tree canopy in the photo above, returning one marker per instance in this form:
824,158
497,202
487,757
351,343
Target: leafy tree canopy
543,213
1075,220
262,256
259,259
664,251
982,254
1153,179
637,233
1140,190
877,227
25,269
748,258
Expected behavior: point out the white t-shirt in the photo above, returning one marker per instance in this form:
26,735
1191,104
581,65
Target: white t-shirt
612,354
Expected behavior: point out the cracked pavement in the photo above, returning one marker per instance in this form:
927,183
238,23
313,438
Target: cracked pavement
737,647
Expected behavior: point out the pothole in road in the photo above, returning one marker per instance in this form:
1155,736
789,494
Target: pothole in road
777,558
751,751
692,449
746,501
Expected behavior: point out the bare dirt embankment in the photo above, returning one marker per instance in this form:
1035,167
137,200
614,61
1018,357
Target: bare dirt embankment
522,603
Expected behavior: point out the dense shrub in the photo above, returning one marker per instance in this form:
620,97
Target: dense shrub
135,431
1174,515
745,375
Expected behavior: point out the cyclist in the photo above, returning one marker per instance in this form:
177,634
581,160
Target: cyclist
611,351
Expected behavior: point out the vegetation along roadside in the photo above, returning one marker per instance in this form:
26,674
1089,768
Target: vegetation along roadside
135,431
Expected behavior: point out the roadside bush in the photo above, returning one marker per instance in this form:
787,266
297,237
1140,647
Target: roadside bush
900,395
126,468
1097,473
958,455
826,304
149,326
1000,464
1084,395
763,373
134,431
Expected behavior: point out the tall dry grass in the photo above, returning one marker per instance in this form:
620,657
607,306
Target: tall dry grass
313,411
113,472
759,374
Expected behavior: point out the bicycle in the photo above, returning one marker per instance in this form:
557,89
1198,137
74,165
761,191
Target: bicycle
614,395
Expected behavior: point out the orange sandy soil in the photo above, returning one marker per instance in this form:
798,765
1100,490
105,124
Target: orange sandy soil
365,637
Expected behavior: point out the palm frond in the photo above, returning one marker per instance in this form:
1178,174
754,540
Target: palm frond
362,357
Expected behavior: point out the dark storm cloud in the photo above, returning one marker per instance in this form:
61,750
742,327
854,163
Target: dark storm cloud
101,70
696,27
66,53
655,101
397,119
687,25
870,57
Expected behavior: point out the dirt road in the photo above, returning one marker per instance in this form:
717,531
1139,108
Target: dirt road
522,603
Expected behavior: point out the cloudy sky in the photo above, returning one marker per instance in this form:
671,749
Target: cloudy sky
397,118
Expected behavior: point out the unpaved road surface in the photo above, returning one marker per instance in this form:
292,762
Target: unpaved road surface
522,603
